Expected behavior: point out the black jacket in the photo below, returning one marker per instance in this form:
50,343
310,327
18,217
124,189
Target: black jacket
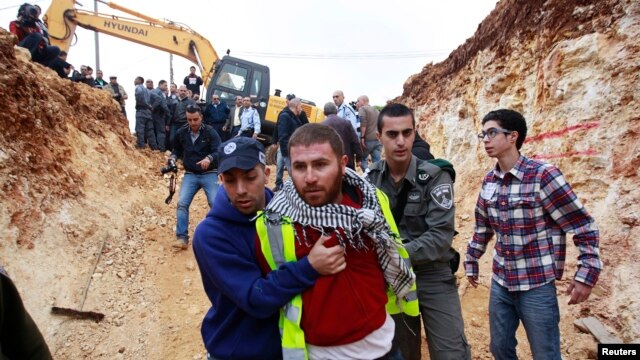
421,148
287,123
348,135
206,145
180,111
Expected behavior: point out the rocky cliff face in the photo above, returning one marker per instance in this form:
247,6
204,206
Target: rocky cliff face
572,69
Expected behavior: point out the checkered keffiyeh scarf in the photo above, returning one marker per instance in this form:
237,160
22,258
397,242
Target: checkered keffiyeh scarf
328,218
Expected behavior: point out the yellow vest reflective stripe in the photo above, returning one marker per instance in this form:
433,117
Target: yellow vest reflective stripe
278,246
409,305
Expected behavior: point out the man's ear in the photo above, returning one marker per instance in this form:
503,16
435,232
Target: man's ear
378,136
267,172
344,161
514,136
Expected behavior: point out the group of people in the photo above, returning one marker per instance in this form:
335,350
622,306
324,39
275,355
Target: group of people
356,130
162,111
338,265
239,119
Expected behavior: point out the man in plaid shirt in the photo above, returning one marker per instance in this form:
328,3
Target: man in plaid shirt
530,207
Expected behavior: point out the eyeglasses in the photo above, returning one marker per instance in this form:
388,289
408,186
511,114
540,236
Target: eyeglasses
216,98
492,132
193,108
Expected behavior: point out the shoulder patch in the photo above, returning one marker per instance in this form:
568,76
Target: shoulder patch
443,196
422,177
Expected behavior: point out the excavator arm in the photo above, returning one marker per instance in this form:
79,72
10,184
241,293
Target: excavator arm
62,18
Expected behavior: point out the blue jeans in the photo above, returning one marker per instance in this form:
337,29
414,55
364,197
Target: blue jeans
45,55
537,309
282,162
373,148
191,183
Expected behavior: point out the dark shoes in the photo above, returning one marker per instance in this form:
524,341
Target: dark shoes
182,243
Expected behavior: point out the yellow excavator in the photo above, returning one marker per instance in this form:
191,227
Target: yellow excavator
227,77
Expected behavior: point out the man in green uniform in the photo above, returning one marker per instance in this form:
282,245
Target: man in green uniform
421,197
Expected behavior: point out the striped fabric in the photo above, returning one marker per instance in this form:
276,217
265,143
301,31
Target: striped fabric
530,209
352,221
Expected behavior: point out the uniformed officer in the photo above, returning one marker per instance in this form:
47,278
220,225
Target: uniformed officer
19,335
421,196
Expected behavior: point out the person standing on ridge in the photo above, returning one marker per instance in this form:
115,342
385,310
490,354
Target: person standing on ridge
193,81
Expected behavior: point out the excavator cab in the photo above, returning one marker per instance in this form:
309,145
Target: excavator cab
236,77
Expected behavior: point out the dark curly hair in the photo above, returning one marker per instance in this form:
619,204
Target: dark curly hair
509,120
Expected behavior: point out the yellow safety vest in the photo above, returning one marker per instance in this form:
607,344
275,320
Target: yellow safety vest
278,246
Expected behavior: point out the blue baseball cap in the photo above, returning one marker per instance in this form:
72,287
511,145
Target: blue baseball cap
240,152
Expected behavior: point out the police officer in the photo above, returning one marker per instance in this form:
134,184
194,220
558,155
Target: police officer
20,337
421,196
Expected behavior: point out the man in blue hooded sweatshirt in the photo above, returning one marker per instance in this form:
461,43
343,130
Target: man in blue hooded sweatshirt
242,322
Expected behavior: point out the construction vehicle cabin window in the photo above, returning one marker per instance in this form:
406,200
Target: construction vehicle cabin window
255,85
232,77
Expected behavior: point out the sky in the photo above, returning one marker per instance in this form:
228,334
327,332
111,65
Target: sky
311,47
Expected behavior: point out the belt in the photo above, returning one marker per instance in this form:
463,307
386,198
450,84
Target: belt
431,266
202,173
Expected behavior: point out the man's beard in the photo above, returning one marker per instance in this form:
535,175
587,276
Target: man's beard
331,194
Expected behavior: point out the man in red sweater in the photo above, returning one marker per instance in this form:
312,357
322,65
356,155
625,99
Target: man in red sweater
343,315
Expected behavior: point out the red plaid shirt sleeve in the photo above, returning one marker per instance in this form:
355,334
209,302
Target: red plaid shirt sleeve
564,207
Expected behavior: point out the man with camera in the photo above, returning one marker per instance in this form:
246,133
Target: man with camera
31,36
197,146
